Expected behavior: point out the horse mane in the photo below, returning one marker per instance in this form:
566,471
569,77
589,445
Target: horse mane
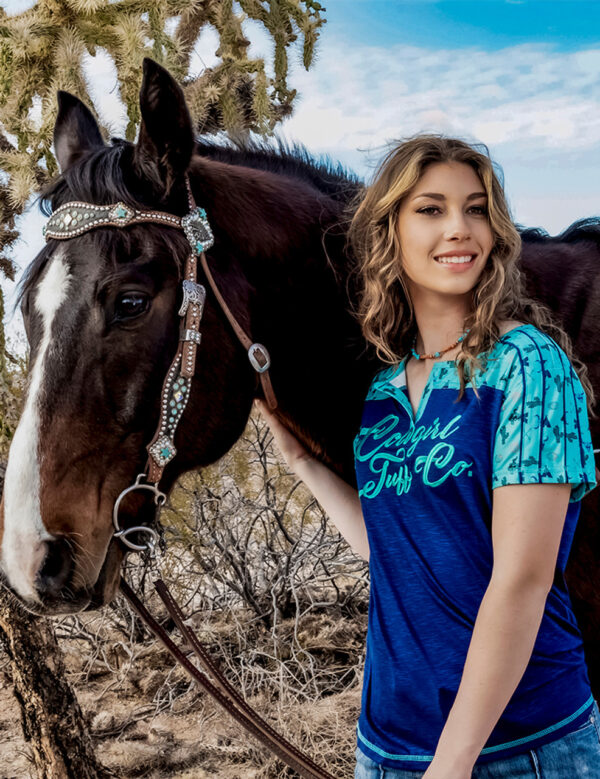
98,178
582,230
293,160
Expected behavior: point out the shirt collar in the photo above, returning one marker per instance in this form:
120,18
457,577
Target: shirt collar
391,380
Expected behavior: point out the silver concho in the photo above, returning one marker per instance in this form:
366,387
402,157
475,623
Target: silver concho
197,230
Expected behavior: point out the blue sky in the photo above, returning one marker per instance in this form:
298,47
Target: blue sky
522,76
491,24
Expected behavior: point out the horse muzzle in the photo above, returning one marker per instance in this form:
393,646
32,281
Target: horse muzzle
55,583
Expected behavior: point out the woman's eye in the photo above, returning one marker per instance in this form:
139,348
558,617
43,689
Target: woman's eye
131,304
428,210
479,210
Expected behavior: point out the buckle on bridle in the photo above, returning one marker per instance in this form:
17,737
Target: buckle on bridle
259,358
151,544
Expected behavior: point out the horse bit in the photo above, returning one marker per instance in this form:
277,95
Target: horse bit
77,217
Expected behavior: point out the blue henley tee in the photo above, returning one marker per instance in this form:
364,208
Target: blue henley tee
425,484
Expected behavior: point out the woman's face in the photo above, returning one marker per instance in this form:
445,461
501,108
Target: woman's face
445,235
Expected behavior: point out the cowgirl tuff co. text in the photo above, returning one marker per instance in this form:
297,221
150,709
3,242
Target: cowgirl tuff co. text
388,454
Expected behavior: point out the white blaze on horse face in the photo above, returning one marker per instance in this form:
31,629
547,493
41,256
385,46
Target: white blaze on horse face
23,547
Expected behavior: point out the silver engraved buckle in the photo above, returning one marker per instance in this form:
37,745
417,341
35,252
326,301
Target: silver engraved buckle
193,295
259,358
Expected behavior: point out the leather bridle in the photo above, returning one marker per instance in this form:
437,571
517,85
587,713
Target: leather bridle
75,218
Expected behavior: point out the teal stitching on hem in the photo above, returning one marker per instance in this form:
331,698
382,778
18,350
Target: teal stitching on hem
545,732
487,750
367,743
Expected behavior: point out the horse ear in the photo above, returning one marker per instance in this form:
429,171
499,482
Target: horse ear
75,132
166,139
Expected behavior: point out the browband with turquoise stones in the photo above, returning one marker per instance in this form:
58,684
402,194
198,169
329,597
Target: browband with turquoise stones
76,218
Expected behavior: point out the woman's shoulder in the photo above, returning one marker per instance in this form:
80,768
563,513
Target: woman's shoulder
524,349
507,325
525,336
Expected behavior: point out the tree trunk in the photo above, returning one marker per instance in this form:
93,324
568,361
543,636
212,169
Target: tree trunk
53,724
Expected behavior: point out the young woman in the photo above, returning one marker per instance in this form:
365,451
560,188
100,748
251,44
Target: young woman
472,458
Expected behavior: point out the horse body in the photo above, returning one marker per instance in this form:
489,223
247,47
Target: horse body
100,313
563,273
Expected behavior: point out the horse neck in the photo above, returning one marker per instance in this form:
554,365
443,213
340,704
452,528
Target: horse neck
273,227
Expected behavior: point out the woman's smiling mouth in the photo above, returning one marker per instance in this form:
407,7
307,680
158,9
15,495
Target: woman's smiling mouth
455,259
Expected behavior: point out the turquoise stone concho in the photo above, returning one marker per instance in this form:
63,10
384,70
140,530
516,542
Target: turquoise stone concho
162,451
197,230
121,213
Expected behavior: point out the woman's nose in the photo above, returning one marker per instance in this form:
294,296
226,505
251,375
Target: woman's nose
457,227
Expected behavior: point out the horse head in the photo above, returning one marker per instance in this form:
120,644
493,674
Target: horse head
100,312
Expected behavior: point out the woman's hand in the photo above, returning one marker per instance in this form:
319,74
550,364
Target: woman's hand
292,450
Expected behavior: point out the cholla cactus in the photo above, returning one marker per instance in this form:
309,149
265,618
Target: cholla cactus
43,49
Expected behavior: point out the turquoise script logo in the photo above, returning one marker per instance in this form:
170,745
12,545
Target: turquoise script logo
387,452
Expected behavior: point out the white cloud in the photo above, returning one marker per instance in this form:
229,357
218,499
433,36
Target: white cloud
523,95
101,76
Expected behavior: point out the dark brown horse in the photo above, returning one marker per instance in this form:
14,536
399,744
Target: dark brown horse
101,316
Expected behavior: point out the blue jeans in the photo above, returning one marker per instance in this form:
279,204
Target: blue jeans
574,756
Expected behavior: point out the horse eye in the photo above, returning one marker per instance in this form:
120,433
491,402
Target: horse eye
131,304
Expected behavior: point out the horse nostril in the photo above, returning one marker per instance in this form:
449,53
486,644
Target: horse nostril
56,568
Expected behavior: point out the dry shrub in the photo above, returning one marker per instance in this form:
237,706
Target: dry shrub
279,600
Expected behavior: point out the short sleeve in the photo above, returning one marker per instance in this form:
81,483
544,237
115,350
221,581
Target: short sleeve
543,432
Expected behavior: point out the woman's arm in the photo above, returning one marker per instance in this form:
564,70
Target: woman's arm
339,500
527,525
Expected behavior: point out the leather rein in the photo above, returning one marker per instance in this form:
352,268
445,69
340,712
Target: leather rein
75,218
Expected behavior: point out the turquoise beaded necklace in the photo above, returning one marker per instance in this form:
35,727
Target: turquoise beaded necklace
433,355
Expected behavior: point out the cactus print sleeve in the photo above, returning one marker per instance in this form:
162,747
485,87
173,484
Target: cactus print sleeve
543,432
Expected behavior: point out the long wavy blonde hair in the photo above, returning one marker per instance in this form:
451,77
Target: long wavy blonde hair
384,307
